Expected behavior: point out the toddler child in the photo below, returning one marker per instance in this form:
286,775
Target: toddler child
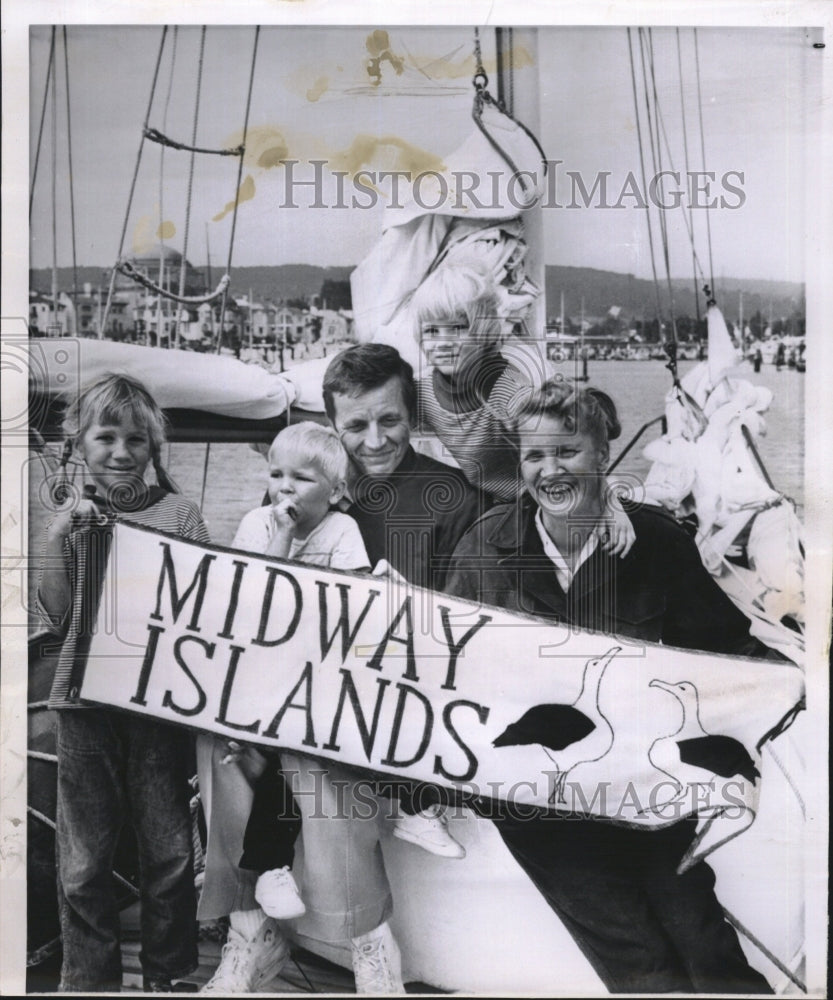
307,478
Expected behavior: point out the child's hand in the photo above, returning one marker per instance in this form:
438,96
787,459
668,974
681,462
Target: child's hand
614,530
72,515
285,514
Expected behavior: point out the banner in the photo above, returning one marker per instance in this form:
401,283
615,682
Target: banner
420,685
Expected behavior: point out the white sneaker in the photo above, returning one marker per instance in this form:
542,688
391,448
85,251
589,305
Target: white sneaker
277,893
377,963
246,966
428,829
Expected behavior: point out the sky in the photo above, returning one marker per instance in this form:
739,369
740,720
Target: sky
313,98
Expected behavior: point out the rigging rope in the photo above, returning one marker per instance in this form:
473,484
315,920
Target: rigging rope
237,189
125,267
703,153
130,271
689,228
190,184
662,219
642,167
504,60
204,474
482,98
71,197
687,161
42,119
55,200
651,128
159,137
160,318
733,920
133,185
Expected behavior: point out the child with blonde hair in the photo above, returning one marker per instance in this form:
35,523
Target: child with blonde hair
307,478
478,376
113,765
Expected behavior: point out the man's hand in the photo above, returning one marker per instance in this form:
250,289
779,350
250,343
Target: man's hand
235,752
384,569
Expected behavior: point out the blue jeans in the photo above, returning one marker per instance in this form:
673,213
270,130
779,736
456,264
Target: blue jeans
112,769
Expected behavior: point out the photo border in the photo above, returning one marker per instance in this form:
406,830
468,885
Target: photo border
18,15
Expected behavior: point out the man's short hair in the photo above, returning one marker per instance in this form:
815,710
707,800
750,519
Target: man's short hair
364,367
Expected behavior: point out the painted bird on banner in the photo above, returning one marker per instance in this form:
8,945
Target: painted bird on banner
569,735
690,755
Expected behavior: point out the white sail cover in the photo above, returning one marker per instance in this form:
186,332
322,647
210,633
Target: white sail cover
489,226
184,379
706,464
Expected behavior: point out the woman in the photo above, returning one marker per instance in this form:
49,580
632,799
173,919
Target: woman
643,927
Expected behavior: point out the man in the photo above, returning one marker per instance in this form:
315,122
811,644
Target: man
411,510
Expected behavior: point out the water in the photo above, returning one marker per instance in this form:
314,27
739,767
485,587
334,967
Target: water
639,387
236,476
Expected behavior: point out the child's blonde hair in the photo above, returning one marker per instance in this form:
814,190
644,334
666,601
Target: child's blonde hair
114,399
317,444
465,287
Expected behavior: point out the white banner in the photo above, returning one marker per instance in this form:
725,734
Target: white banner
420,685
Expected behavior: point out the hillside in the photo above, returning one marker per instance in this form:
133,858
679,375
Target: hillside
635,296
285,281
600,289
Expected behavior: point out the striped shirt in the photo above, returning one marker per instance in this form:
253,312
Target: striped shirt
475,417
85,557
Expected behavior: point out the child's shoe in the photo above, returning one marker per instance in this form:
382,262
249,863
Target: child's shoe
278,895
428,829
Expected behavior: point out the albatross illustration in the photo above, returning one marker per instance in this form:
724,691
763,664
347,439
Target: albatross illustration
568,734
685,754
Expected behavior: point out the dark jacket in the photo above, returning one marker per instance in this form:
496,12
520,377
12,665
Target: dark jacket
415,517
659,592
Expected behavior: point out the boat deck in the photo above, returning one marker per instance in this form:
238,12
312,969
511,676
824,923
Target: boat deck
304,973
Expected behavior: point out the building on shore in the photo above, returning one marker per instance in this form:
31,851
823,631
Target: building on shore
251,328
